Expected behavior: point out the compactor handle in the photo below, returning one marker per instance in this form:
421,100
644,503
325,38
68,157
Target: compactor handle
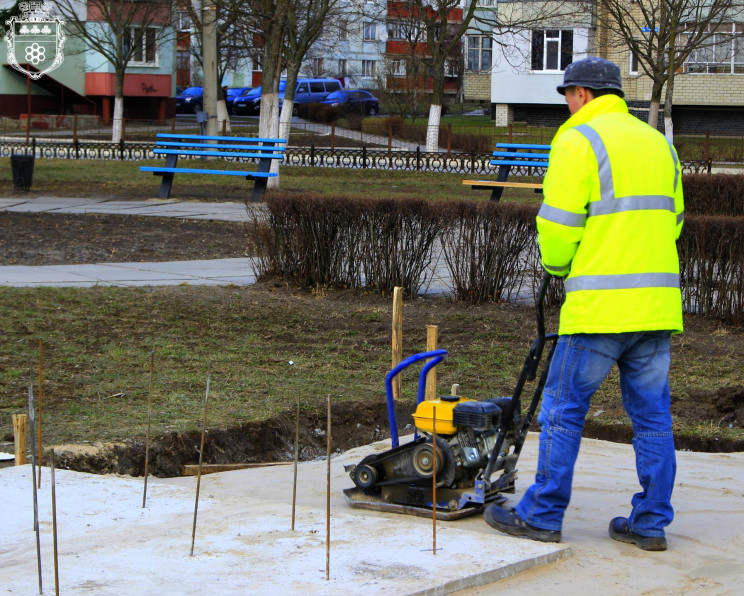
436,357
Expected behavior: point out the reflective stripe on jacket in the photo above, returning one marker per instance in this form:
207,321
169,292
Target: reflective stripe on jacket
612,213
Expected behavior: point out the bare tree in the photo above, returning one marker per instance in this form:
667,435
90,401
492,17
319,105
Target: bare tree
230,41
663,34
305,24
120,31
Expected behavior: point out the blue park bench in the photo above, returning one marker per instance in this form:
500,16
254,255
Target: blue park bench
513,155
234,148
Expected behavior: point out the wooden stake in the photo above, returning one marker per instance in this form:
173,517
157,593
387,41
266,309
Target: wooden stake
201,457
40,378
328,494
149,416
296,459
432,338
54,527
20,424
397,337
434,480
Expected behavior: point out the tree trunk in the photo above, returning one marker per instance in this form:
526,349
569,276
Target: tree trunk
222,116
435,110
668,125
432,130
653,114
117,124
285,118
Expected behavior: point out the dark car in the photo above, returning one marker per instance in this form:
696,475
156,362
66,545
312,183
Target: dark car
354,101
232,94
190,100
249,102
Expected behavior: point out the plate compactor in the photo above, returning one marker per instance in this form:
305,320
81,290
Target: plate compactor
474,441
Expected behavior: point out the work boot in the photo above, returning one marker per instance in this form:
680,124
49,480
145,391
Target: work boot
506,520
620,531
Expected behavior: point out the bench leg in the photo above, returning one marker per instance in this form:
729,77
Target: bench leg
499,190
165,185
167,182
259,188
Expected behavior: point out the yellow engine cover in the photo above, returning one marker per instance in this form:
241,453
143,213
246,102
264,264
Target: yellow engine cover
424,416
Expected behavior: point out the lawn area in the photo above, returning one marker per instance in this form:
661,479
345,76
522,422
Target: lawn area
97,344
122,179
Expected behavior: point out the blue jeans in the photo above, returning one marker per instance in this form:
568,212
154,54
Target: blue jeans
580,364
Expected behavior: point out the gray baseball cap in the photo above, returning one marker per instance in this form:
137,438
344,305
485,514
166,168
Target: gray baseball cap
592,73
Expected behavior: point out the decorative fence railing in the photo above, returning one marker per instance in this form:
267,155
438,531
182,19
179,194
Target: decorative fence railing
362,158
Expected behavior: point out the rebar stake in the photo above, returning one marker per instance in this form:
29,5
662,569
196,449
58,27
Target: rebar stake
54,526
149,416
41,361
296,459
434,480
201,458
32,417
328,495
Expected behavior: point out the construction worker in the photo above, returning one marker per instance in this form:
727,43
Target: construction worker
612,213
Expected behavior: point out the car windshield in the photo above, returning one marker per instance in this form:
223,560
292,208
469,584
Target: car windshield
193,91
335,95
234,92
248,91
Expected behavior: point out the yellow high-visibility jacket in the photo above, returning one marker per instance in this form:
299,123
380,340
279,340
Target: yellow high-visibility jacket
612,213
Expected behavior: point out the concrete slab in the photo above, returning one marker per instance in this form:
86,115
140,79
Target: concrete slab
109,544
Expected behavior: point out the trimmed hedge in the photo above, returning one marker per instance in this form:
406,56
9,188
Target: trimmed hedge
714,194
489,249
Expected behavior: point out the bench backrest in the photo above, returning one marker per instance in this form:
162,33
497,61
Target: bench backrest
216,146
521,154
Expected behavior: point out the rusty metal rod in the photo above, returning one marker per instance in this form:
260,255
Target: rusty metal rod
201,458
328,495
296,459
32,417
54,526
149,417
41,361
434,480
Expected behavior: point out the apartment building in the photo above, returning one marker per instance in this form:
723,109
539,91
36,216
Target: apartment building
85,81
525,67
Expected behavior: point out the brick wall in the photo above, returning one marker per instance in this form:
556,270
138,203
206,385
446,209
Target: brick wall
477,86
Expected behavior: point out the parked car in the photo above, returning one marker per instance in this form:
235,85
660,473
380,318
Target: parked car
232,94
307,91
354,100
190,100
249,102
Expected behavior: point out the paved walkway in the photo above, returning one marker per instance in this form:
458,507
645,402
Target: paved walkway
209,272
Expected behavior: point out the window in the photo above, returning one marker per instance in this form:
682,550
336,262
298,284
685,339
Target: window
343,30
343,68
479,52
552,49
396,67
369,68
318,66
370,31
317,87
723,52
633,64
303,88
331,86
143,44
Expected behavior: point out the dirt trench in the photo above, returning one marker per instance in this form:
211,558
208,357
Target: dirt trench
353,425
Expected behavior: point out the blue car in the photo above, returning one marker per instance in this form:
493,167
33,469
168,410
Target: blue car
355,101
190,100
232,94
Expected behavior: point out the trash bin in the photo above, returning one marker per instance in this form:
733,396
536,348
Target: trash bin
23,171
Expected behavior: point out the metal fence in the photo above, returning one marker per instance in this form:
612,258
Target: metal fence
354,158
